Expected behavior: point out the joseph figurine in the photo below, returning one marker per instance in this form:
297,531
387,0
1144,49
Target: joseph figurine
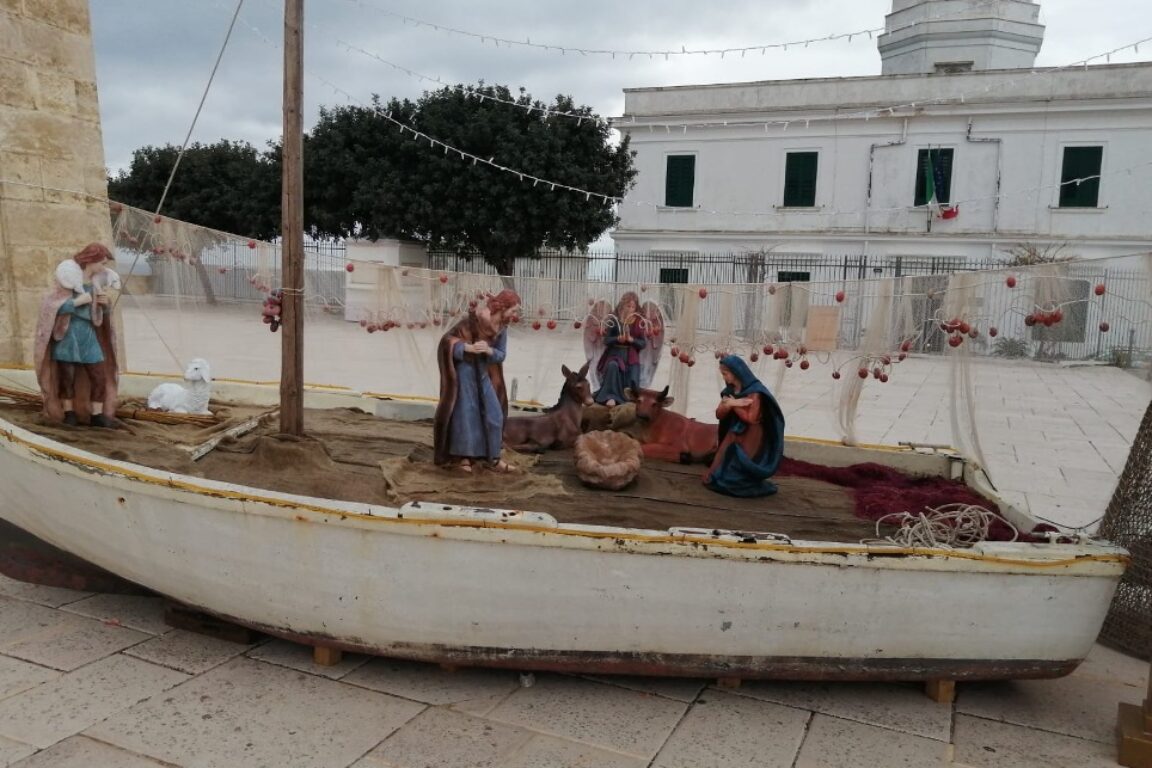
469,423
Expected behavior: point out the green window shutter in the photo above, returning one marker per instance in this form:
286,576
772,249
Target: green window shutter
679,181
800,179
942,162
1080,163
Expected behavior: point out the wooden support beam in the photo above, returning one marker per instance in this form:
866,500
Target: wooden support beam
292,224
941,691
1133,740
1134,729
325,656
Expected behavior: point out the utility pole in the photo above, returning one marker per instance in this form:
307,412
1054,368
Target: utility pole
292,225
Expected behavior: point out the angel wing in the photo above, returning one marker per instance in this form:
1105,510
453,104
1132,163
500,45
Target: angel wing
594,338
653,351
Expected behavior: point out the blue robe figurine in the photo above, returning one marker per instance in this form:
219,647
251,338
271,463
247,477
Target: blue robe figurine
751,434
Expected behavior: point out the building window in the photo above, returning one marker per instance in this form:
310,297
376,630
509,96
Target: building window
800,179
1077,190
670,295
953,67
933,176
679,181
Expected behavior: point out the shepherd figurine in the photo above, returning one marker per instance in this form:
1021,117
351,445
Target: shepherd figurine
74,350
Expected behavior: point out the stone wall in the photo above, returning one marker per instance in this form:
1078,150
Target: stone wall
53,182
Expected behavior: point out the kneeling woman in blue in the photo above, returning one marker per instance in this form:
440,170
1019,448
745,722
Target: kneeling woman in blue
751,434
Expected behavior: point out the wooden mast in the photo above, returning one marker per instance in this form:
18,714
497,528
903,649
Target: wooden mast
292,225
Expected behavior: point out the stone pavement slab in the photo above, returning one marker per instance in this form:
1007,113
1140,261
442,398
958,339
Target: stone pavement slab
896,706
835,743
470,690
987,744
732,731
440,738
604,716
246,714
58,639
138,612
13,751
82,752
187,651
17,676
53,597
1081,705
678,688
550,752
67,705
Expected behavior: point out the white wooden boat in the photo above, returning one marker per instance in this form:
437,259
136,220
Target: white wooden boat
514,588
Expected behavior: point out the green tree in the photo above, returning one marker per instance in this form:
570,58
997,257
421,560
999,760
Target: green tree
229,186
364,176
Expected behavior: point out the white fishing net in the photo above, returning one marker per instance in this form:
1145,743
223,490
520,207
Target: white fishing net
931,359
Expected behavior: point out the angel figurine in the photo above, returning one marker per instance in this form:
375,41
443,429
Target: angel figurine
624,347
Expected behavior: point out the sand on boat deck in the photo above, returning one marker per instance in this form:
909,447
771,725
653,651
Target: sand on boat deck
350,455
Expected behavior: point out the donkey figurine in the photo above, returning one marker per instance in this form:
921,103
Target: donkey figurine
557,427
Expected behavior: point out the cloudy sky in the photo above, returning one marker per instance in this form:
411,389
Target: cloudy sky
153,58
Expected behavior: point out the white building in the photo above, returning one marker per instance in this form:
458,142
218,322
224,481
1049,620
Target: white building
835,167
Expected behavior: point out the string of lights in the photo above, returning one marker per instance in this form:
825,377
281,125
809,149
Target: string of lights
631,122
552,185
895,110
498,40
531,108
578,116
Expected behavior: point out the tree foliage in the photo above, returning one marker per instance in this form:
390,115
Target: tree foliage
364,176
229,186
1031,254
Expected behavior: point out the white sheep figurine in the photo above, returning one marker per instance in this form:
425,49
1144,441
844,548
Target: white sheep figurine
193,398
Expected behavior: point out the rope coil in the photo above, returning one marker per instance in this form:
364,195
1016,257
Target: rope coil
951,525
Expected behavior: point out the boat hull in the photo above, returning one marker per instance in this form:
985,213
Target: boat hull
478,587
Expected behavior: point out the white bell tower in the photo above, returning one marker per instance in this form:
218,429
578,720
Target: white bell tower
930,36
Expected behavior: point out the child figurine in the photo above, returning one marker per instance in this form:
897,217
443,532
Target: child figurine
74,335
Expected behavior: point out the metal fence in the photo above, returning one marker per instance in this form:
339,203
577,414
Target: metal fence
565,280
226,272
712,268
922,284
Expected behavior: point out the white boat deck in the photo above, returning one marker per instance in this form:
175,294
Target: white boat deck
1055,437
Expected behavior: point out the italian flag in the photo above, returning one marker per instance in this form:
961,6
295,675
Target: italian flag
933,178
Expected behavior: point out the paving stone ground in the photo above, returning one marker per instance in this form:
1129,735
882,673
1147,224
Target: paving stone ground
206,703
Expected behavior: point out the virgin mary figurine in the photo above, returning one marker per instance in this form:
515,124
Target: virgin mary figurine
751,434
